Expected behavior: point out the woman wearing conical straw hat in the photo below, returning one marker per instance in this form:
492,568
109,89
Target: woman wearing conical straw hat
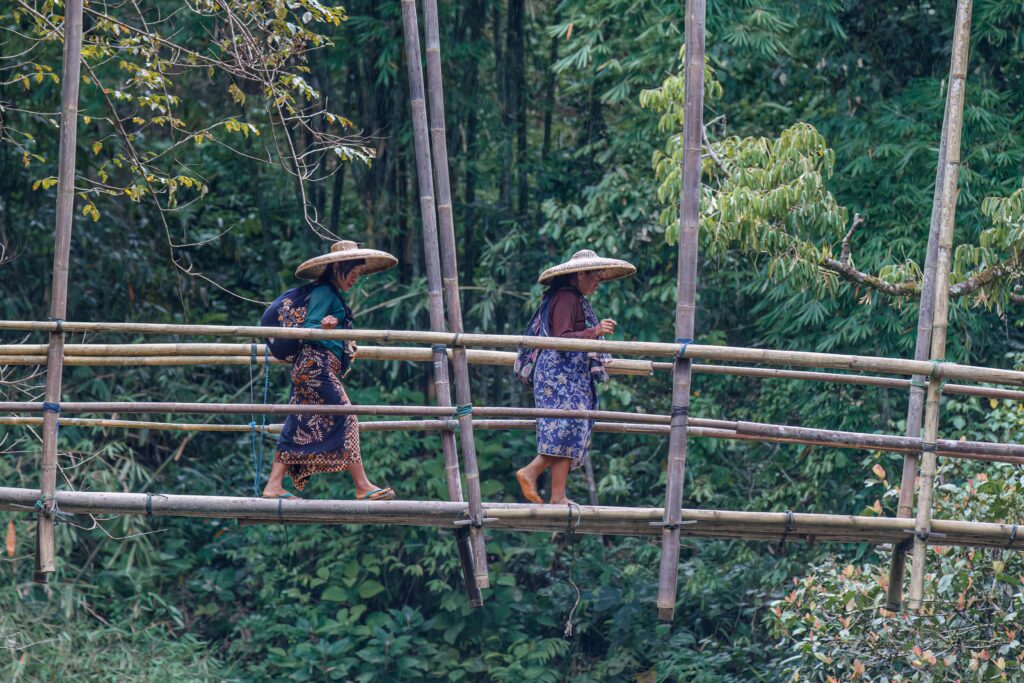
313,444
566,379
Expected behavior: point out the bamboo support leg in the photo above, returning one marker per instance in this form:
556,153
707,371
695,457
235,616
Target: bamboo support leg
435,302
957,86
450,271
915,403
70,78
686,293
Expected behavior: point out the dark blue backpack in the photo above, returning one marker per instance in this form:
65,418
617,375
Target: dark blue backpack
287,310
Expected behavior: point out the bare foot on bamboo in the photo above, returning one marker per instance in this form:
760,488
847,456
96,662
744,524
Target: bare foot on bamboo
528,487
563,501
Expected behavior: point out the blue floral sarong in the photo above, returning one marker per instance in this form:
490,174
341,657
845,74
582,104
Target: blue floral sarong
567,380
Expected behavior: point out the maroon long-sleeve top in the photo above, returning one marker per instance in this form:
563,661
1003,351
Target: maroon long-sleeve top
566,317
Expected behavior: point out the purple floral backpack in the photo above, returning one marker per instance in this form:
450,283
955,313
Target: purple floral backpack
526,357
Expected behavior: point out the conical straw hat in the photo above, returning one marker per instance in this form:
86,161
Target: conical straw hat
346,250
585,259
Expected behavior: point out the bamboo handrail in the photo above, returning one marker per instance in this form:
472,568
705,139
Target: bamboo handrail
896,366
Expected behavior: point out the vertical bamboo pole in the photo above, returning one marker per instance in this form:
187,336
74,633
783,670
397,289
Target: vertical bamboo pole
957,86
686,293
410,29
70,75
922,350
450,268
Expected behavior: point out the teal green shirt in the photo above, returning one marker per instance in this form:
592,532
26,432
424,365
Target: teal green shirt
322,303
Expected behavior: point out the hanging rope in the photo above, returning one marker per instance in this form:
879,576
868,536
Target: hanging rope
257,457
570,538
263,417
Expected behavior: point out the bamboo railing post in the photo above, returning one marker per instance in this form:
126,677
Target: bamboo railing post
430,250
957,86
450,268
915,404
686,293
70,75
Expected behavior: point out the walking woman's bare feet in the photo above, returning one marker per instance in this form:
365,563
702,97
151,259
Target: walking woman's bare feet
563,501
528,487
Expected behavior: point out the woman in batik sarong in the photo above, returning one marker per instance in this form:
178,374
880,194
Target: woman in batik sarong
312,444
568,379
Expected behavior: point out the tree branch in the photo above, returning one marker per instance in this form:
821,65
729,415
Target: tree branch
851,274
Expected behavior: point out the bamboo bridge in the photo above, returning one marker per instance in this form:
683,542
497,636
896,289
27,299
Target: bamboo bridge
451,350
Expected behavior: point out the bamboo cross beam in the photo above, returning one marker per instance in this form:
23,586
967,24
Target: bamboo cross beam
957,87
410,30
697,427
728,354
450,272
70,80
686,304
756,526
140,355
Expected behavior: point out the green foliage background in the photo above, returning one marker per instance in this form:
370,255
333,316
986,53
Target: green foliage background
563,124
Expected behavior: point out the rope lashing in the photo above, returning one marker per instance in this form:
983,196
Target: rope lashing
682,349
929,447
786,530
680,411
60,325
936,363
439,349
923,535
918,384
570,537
53,408
149,507
463,410
53,512
1013,536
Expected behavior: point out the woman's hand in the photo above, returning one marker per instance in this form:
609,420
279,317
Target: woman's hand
329,322
606,327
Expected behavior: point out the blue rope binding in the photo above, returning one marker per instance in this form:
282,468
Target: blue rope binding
53,408
682,349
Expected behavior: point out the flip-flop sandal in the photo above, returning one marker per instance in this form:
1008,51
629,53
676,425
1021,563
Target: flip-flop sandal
286,494
378,494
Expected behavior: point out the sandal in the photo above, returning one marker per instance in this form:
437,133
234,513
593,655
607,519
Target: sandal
286,494
377,494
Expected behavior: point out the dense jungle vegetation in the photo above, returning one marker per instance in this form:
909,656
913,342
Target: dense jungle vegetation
222,142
